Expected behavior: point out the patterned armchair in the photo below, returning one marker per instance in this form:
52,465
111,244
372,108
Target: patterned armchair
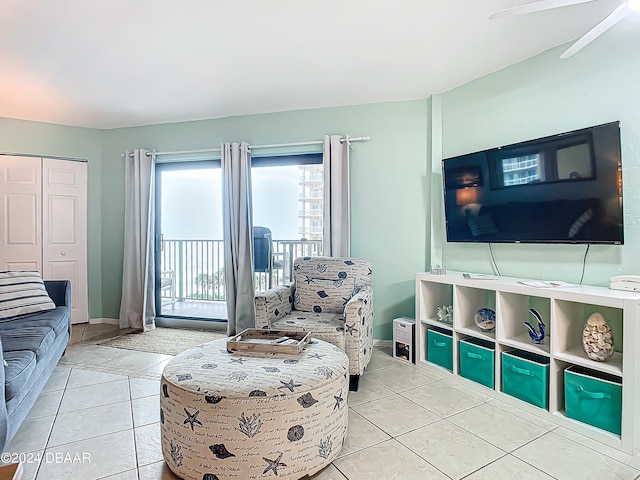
333,298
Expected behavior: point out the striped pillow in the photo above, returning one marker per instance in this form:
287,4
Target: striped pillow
21,293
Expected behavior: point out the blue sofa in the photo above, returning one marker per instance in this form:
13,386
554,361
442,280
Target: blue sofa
31,345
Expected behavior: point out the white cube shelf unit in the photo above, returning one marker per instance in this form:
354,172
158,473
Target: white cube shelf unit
564,311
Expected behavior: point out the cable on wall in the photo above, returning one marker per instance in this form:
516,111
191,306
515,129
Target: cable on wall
493,260
584,263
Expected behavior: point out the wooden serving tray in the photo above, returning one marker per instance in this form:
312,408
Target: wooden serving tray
269,341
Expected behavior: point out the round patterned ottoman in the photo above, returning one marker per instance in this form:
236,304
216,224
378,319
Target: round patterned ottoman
253,415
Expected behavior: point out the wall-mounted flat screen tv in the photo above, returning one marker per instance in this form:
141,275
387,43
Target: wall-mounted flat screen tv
566,188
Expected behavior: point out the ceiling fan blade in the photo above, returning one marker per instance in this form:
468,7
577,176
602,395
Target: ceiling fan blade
535,7
615,16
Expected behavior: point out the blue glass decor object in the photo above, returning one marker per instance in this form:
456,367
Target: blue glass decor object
485,319
536,337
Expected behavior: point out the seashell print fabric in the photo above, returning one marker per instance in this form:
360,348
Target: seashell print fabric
350,328
273,305
326,326
325,284
253,415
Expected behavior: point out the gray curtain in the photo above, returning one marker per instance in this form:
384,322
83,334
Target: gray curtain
237,215
137,307
336,222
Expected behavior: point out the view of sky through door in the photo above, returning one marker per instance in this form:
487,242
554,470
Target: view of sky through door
192,202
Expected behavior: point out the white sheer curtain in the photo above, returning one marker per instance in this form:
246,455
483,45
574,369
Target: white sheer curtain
137,307
237,215
336,222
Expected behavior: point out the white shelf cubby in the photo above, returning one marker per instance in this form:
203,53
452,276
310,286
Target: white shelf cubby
564,311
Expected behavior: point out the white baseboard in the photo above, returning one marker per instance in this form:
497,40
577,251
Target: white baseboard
110,321
383,343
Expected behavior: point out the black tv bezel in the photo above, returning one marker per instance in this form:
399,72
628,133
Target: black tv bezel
526,143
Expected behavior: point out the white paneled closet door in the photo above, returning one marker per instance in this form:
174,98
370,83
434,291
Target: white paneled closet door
21,213
64,229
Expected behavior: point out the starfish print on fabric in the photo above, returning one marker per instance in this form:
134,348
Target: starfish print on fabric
316,355
326,372
339,400
192,418
237,360
290,385
351,328
274,464
308,280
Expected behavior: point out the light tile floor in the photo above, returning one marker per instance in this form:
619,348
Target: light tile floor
98,418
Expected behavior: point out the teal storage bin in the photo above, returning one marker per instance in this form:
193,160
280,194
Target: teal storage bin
477,361
440,347
594,398
526,376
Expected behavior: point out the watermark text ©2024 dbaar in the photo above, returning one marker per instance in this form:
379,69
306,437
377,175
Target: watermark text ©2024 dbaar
48,457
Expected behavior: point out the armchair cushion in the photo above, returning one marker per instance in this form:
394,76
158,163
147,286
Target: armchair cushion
325,326
325,285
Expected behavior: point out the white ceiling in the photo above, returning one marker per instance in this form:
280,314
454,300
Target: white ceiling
117,63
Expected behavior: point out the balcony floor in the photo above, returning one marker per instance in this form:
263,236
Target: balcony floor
204,309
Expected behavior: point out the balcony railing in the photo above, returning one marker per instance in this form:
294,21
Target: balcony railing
198,266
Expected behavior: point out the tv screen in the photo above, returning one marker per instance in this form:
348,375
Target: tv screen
566,188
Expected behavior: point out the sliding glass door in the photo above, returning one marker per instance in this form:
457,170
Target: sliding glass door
287,209
287,196
189,247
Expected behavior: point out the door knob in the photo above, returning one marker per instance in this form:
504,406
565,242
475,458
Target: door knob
63,253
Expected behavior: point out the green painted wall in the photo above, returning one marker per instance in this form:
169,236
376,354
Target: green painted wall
396,179
42,139
389,187
538,97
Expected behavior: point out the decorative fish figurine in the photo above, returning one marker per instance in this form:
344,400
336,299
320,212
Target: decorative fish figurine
536,337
